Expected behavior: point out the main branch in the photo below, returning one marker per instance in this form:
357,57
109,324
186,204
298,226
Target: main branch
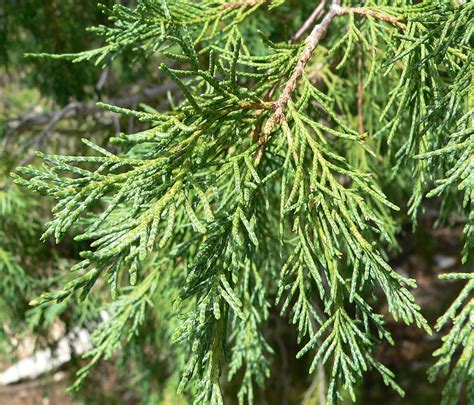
312,41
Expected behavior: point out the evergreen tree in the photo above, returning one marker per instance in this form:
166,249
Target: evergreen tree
276,179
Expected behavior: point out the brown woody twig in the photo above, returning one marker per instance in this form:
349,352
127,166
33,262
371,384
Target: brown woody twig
312,41
360,89
245,4
372,13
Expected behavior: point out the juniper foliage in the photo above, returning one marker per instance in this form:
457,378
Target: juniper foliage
265,184
14,236
459,338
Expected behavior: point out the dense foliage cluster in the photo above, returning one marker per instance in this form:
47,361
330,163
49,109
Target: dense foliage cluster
276,177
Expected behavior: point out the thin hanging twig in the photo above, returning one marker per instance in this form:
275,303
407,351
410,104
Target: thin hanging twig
360,89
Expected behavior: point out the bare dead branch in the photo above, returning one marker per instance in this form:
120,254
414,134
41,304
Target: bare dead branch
315,15
85,108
